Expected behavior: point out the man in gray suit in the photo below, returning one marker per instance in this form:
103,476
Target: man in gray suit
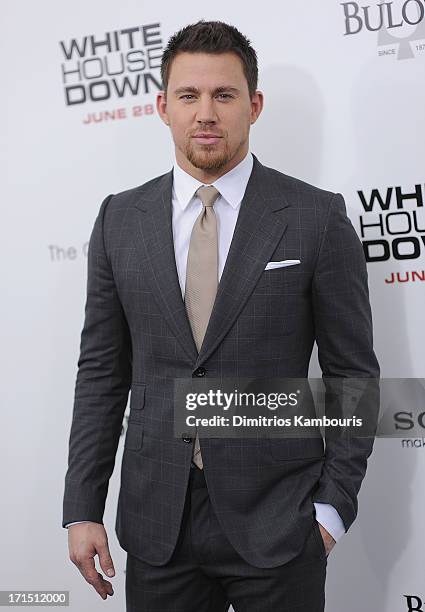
222,267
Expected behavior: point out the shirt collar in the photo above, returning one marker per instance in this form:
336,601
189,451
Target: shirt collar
231,185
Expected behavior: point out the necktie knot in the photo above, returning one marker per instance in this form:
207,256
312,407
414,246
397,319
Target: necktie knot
208,194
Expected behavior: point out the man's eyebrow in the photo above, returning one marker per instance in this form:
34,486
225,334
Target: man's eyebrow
195,90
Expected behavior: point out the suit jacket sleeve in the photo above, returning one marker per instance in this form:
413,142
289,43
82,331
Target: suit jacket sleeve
343,329
101,390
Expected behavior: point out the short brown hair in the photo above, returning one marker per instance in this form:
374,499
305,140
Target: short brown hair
211,37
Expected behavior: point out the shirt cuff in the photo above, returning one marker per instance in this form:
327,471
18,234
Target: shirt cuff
329,518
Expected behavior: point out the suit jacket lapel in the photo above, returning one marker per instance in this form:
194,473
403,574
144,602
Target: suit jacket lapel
156,247
260,225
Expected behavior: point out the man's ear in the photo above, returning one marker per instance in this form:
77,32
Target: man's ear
257,103
161,106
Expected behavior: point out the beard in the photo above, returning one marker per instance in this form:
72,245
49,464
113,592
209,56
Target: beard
208,157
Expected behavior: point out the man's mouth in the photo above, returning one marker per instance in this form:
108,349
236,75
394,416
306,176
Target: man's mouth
207,138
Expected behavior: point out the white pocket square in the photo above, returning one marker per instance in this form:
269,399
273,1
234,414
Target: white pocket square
282,264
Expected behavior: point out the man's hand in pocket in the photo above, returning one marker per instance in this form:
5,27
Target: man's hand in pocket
328,540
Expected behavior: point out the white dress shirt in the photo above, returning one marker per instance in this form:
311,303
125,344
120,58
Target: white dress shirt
185,209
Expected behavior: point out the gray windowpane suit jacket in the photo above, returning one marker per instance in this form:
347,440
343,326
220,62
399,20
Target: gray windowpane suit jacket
136,337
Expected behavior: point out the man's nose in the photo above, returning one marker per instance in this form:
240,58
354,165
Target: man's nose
206,112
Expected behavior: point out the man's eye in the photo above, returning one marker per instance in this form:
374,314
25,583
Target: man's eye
188,96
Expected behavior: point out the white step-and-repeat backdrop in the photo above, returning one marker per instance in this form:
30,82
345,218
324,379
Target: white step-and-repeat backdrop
344,109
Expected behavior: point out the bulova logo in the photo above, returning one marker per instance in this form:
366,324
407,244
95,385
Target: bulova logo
414,603
384,17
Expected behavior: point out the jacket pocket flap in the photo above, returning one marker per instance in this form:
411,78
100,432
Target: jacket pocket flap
137,396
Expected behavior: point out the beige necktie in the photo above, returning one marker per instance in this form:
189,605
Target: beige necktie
202,276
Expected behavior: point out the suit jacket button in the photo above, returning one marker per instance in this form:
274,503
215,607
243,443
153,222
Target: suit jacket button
200,372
